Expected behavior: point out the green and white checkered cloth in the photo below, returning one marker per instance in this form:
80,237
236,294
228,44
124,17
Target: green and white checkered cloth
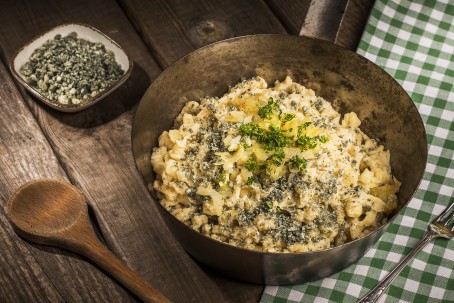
414,42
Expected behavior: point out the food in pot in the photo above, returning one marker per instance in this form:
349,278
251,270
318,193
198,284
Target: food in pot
273,169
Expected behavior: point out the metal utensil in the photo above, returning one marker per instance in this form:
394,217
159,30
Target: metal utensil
441,227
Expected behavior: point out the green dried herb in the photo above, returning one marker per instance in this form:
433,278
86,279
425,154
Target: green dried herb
69,70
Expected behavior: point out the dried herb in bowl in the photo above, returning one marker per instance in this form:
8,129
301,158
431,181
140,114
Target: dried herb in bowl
70,70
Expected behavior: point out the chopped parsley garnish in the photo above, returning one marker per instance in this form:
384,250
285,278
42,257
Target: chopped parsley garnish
278,157
264,166
306,142
304,126
288,117
221,178
297,162
250,180
275,138
266,111
244,143
252,130
251,164
269,204
322,138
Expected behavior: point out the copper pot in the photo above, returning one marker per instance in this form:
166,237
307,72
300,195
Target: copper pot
349,81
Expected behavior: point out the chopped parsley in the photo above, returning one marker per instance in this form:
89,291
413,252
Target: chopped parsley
253,131
275,138
221,178
250,180
288,117
306,142
244,143
278,157
251,164
263,166
322,138
269,204
304,126
266,111
297,162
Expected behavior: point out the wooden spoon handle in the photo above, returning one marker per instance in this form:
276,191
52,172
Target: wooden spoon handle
81,238
99,254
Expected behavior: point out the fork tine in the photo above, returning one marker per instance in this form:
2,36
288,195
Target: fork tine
447,214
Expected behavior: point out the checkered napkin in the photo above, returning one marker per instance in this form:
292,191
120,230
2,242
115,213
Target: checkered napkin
414,42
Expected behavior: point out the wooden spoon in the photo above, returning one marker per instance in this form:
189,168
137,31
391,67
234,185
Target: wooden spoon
54,212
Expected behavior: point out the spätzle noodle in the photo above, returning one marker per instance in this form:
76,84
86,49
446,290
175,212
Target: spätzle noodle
273,169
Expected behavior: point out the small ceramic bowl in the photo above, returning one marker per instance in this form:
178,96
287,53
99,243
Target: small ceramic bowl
85,32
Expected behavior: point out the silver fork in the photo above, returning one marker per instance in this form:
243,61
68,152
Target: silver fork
442,226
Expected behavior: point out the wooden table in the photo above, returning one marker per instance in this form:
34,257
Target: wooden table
91,149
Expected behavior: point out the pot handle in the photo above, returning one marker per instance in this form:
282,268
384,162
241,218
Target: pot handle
323,19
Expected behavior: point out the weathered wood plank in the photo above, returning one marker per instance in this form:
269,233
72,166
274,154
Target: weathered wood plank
29,272
173,28
291,13
353,23
93,147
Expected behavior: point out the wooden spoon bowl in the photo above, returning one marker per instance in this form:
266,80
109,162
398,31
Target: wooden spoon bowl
36,213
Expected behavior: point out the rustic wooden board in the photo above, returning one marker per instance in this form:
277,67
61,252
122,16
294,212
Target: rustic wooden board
93,147
353,23
30,272
173,28
291,13
189,25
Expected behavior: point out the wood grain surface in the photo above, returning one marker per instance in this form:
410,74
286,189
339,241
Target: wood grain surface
30,272
353,22
173,28
290,13
92,148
